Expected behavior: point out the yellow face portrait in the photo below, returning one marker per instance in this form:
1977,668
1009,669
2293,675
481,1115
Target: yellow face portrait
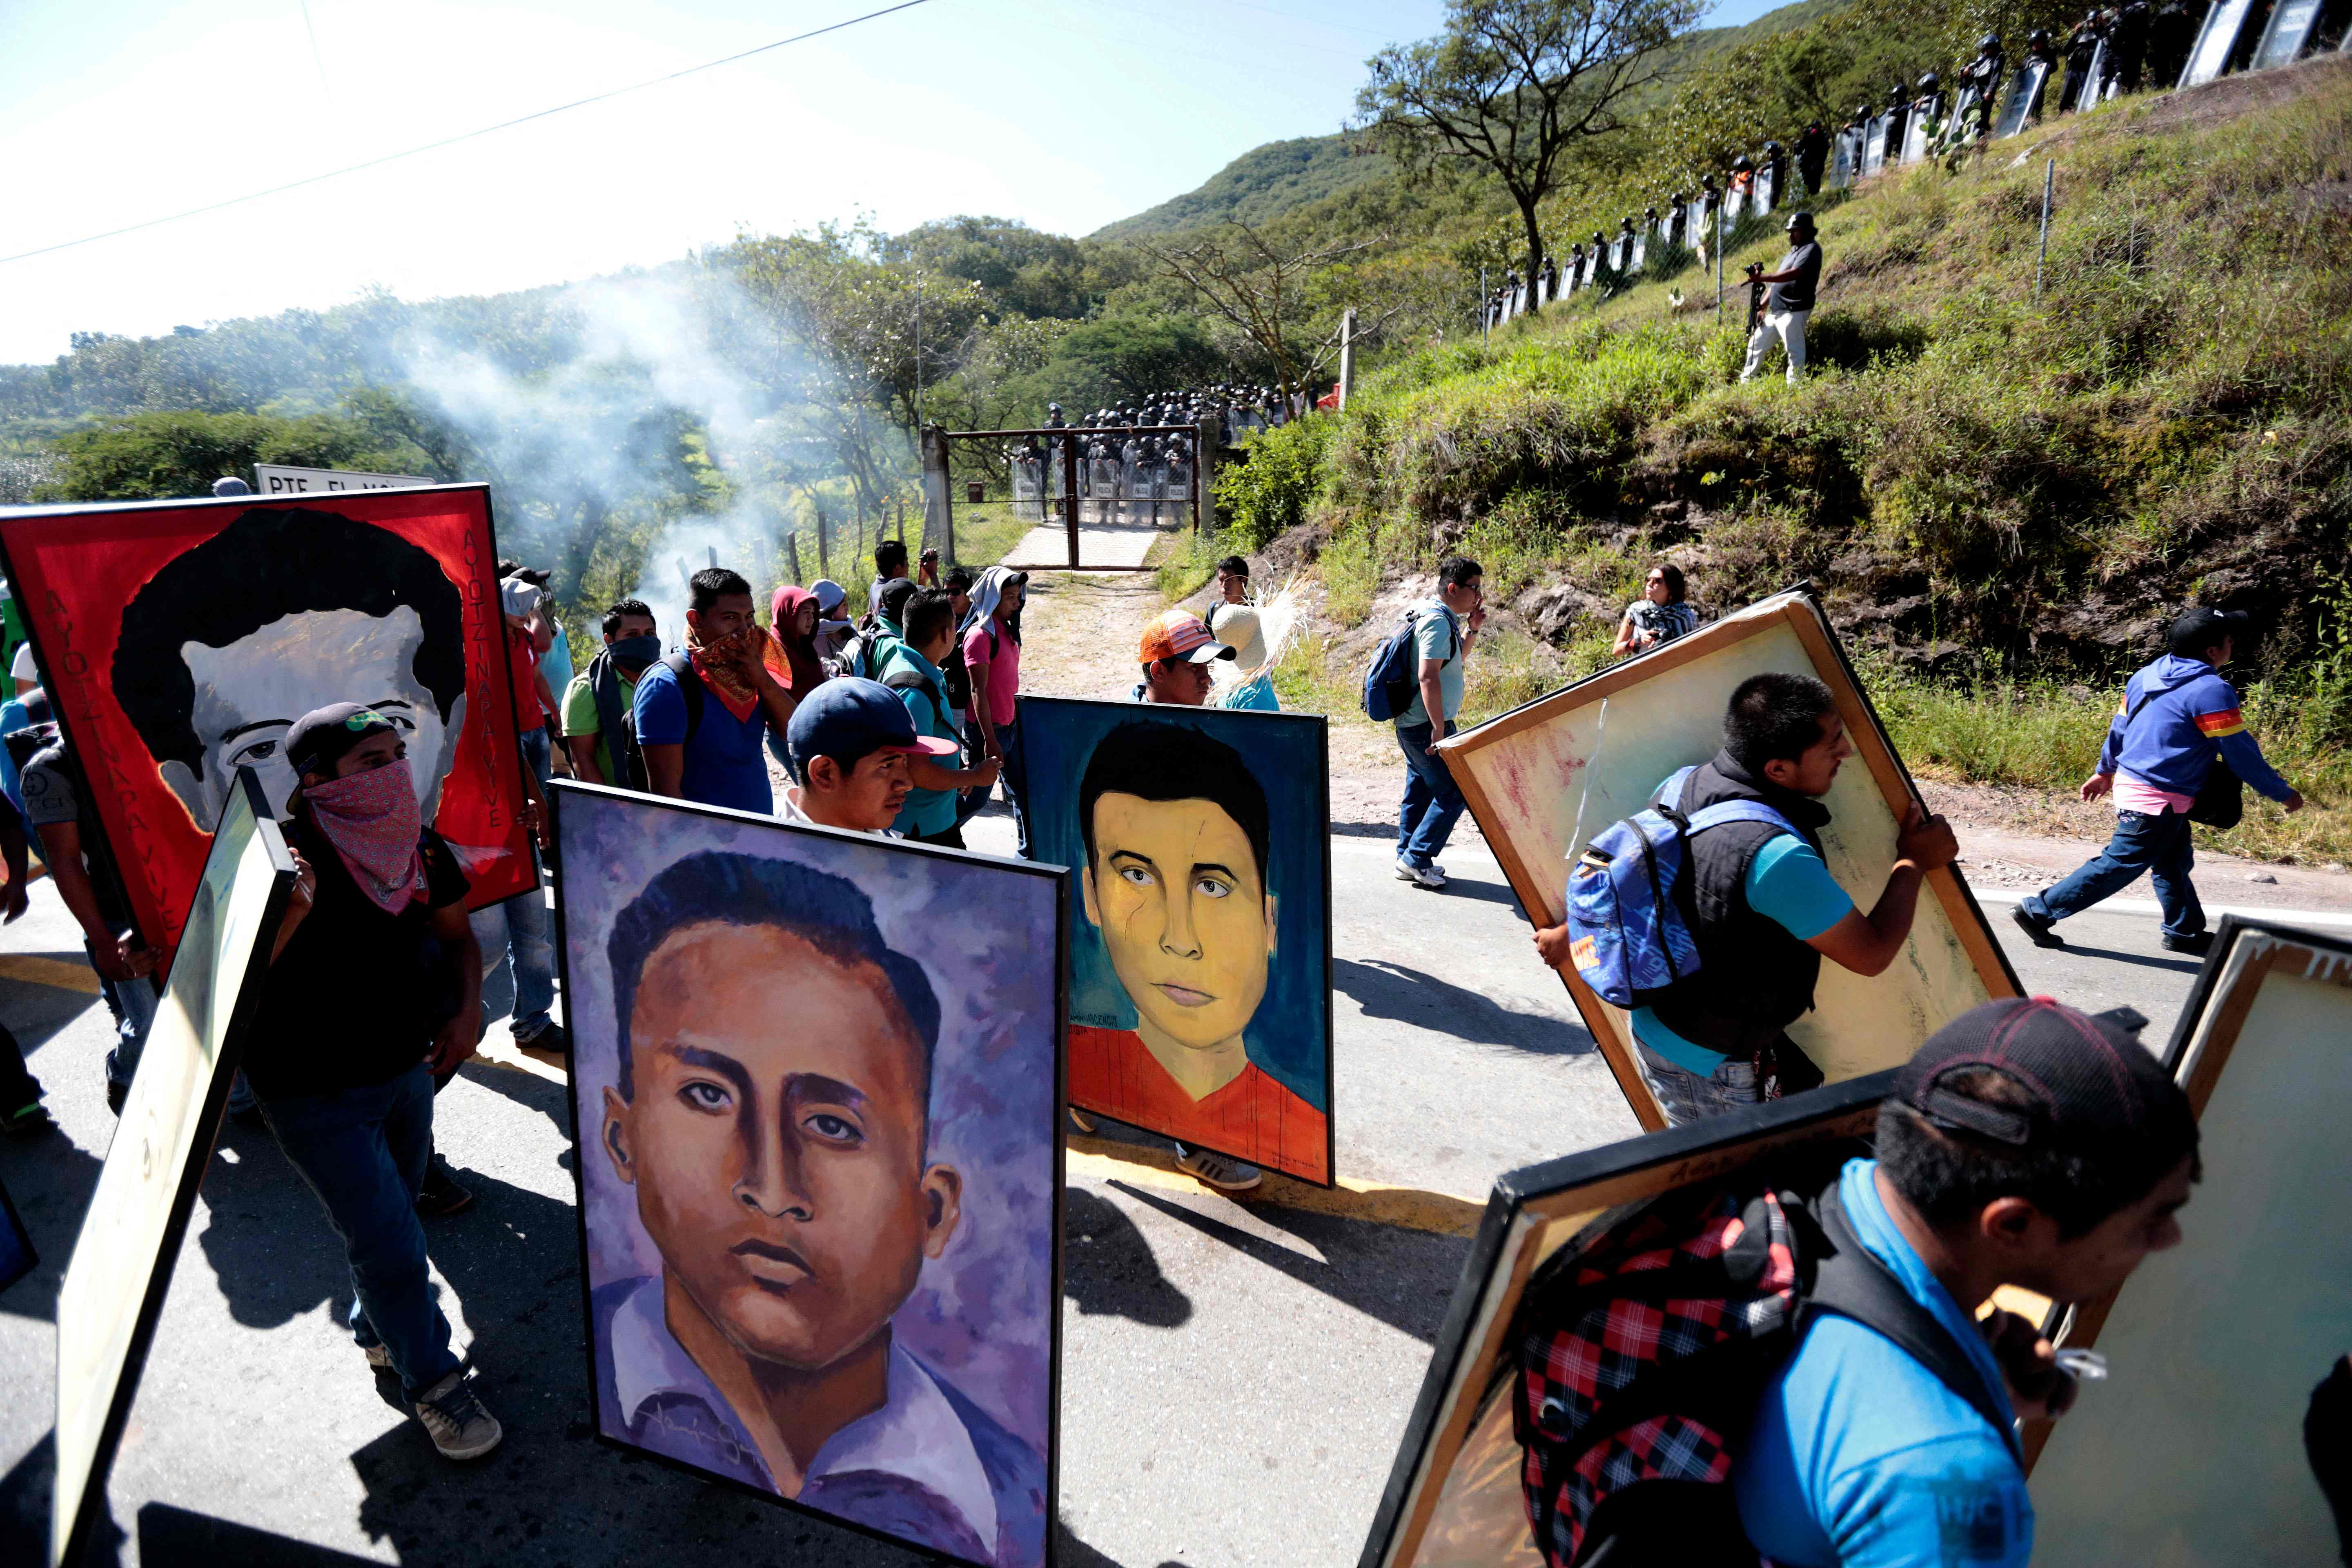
1176,895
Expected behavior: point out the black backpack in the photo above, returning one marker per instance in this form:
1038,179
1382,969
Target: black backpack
1638,1360
627,755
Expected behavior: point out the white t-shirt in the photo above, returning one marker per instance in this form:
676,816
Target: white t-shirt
24,669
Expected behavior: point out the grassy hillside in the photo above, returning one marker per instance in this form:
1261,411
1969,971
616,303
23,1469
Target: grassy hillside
2003,500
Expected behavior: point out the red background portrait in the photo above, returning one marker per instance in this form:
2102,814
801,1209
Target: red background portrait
75,571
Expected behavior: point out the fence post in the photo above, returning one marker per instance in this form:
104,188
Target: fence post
1204,462
793,549
1482,304
823,565
2049,185
939,506
1070,495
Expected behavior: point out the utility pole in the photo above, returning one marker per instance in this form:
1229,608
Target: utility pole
1482,304
1347,356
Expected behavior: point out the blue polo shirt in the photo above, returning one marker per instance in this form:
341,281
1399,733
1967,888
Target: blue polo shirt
725,764
1860,1457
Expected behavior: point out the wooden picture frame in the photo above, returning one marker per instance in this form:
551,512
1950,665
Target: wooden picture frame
2191,1448
121,1264
1507,768
1452,1499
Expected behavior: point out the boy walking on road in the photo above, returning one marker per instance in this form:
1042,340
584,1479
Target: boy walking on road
1445,629
2178,718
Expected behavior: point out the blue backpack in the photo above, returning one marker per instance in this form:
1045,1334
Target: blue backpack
1629,901
1394,677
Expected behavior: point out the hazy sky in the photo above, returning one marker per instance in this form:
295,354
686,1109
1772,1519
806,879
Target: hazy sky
1066,114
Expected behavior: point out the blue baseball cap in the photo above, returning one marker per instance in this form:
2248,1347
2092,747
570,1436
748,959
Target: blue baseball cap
847,718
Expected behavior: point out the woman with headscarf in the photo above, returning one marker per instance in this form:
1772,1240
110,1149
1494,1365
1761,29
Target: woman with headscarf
991,636
792,653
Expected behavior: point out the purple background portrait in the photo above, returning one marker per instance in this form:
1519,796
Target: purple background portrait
983,1312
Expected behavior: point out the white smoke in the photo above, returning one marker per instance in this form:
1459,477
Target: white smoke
646,450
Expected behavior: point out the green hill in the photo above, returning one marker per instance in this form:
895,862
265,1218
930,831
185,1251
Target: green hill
2003,489
1262,184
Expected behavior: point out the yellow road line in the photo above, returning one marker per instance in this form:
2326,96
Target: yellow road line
58,972
1371,1203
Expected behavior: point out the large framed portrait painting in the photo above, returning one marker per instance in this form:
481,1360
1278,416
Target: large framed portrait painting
816,1078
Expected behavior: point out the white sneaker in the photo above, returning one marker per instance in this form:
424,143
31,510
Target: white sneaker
1428,876
461,1428
1225,1175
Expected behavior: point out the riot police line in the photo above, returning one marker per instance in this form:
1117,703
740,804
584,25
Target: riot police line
1127,461
2111,51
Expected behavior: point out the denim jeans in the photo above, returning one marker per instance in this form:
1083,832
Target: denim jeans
364,1151
1686,1097
1432,803
132,1004
1014,780
518,940
2159,845
539,753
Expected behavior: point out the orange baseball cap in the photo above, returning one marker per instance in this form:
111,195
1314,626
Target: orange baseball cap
1179,633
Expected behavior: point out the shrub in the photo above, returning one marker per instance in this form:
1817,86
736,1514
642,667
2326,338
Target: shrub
1271,490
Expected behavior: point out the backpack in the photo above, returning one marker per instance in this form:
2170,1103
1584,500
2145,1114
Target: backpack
2221,800
863,654
1630,912
628,756
1637,1362
1395,675
915,680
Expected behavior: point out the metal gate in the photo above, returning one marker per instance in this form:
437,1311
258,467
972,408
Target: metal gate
1070,498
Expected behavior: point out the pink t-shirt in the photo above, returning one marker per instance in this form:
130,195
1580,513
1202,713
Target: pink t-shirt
2135,793
1003,668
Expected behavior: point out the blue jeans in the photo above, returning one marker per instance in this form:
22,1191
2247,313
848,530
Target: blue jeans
1433,801
1014,778
2162,845
518,963
539,753
364,1151
1686,1098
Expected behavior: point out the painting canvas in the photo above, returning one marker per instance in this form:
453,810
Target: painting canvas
121,1263
2191,1452
1454,1499
816,1084
180,640
1200,919
1543,779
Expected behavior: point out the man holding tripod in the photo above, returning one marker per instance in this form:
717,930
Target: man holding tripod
1789,301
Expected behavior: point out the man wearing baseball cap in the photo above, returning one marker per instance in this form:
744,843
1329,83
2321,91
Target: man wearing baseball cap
374,985
849,746
2178,721
2024,1144
1177,651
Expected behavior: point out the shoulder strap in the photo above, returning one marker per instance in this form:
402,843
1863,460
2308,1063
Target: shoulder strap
689,685
1852,1283
904,680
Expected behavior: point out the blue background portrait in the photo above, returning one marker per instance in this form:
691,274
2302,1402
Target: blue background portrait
1290,1034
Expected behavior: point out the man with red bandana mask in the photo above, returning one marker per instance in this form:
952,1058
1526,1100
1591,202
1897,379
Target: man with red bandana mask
378,913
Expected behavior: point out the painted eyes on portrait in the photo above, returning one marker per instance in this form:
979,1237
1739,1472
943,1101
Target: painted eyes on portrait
710,1099
1212,887
1137,877
257,752
832,1127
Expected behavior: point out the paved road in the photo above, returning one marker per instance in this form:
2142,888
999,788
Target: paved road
1234,1379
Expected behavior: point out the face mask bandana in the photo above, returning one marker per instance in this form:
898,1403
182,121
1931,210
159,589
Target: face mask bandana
714,659
372,820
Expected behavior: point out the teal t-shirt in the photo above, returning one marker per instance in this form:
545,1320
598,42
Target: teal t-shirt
1436,635
928,812
1858,1456
1786,882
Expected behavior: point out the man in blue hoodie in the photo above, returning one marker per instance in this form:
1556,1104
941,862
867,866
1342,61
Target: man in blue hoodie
2179,717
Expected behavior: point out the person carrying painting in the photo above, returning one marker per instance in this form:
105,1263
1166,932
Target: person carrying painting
1767,910
2179,721
375,947
849,750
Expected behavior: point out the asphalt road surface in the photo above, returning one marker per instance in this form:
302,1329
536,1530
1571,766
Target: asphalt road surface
1234,1377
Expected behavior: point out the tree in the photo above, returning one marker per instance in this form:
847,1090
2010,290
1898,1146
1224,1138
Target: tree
1264,289
1520,87
1130,354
